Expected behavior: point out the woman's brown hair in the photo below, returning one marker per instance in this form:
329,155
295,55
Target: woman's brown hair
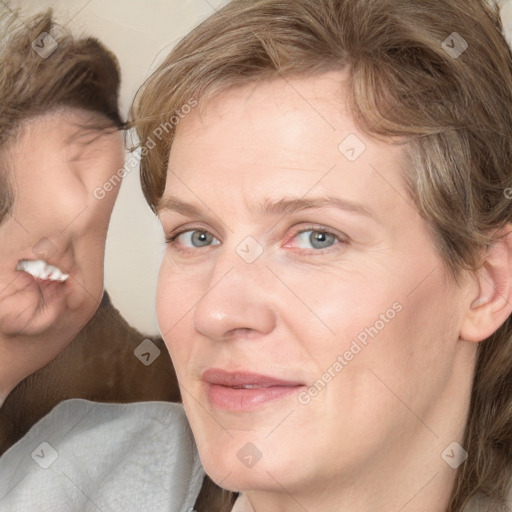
436,75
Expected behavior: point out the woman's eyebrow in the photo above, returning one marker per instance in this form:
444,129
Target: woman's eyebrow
173,204
283,206
287,206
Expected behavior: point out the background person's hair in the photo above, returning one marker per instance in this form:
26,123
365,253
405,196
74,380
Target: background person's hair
80,73
454,112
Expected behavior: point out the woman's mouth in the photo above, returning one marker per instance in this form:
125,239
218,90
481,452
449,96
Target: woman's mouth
41,270
244,391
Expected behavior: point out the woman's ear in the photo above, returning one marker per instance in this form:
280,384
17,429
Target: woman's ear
491,305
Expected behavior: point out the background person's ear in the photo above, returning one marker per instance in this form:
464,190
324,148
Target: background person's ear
492,304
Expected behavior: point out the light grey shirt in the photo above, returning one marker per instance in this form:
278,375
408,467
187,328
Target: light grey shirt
91,457
86,456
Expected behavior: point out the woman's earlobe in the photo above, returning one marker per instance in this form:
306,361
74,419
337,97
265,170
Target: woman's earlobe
493,303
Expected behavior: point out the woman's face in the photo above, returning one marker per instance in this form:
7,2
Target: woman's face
314,331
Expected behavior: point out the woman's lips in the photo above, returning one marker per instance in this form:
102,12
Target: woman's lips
244,391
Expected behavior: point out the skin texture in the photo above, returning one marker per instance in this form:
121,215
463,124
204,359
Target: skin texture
372,438
54,166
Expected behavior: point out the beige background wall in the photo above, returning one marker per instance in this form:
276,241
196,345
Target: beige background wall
140,33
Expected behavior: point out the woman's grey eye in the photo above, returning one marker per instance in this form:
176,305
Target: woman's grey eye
321,240
201,238
316,239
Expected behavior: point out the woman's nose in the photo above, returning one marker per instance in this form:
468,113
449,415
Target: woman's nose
236,304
